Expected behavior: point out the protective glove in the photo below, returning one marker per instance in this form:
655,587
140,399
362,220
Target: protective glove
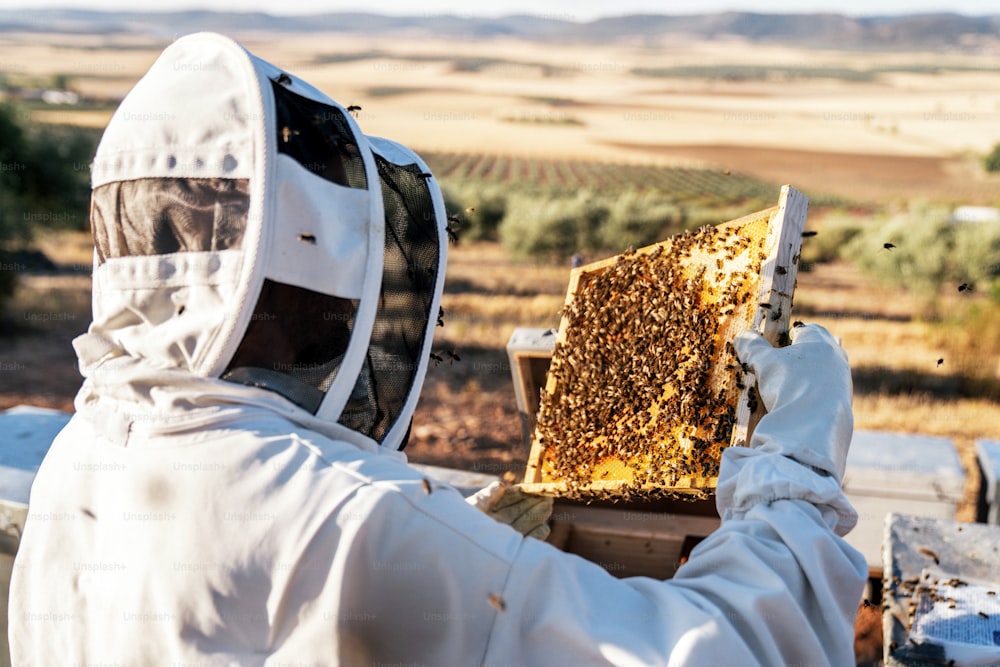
806,389
508,504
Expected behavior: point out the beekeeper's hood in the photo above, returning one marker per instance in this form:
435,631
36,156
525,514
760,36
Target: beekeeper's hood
245,229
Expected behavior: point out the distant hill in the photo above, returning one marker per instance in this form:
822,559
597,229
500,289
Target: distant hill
916,31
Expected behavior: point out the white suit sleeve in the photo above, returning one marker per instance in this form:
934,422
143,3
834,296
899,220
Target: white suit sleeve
772,587
429,579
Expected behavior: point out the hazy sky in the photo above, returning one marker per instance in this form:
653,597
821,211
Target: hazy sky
573,10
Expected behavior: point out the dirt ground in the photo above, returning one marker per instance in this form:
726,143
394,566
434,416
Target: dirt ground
852,176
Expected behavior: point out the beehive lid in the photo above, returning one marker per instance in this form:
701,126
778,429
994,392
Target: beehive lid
644,389
27,433
904,465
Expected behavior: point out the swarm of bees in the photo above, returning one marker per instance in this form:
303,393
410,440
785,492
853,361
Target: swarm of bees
644,389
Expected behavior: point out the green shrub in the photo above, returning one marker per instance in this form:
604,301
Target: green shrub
930,253
542,227
835,233
479,208
636,219
992,161
44,183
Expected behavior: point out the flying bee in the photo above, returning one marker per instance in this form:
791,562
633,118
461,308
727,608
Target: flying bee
440,320
436,358
453,355
426,484
452,228
888,246
353,110
965,287
284,79
807,234
307,238
940,361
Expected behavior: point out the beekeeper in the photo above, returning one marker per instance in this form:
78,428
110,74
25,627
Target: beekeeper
230,490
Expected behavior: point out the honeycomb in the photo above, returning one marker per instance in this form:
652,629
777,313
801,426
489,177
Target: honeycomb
644,390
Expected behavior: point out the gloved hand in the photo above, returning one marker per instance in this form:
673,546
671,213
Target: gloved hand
508,504
806,389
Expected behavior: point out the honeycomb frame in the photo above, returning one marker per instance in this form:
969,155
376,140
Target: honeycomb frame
644,390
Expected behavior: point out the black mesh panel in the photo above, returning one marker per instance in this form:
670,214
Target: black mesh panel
411,266
158,216
295,343
318,137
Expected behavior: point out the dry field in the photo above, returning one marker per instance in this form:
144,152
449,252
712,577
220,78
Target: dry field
901,135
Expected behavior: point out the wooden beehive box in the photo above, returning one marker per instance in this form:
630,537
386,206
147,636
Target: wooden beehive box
644,389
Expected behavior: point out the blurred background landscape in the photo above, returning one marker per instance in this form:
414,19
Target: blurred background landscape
553,137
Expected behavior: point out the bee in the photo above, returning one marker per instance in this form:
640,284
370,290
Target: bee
453,355
284,79
436,358
798,323
440,319
807,234
307,238
353,110
780,270
426,484
940,361
983,614
888,246
965,287
452,228
930,554
287,133
180,309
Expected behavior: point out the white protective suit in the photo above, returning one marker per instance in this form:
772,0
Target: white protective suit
207,507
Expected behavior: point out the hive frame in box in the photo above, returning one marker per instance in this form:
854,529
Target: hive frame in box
773,283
